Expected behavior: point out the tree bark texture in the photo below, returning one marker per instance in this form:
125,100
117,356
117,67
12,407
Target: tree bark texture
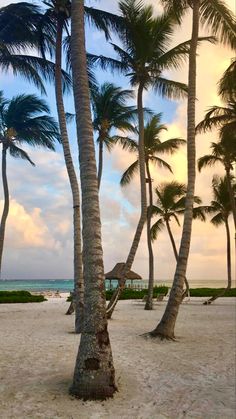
6,203
143,213
165,329
78,268
149,302
186,292
94,374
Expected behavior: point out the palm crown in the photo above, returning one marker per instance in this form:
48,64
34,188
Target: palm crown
214,14
170,203
221,117
153,147
27,29
223,152
110,111
25,119
145,53
220,205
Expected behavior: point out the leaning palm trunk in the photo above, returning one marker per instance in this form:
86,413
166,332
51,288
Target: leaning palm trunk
149,302
78,270
229,273
143,215
6,203
186,292
166,327
94,375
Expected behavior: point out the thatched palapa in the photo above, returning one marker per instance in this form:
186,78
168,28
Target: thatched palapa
117,272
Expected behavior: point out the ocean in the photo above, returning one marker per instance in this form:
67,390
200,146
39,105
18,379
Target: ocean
66,285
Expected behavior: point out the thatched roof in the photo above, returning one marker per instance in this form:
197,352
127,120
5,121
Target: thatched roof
116,273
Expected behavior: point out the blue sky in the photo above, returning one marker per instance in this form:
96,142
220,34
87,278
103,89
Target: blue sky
39,230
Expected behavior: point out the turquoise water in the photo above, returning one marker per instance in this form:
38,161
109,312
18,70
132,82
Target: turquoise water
66,285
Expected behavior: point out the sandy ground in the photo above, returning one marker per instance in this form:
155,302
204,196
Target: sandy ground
193,377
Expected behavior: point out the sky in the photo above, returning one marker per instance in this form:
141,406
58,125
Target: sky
38,243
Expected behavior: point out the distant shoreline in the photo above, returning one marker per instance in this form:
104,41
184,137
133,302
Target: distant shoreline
66,285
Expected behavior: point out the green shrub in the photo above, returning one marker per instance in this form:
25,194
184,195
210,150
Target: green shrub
130,294
211,292
9,297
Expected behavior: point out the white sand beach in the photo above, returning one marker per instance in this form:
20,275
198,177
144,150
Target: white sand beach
193,377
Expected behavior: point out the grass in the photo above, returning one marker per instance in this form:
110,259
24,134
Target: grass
10,297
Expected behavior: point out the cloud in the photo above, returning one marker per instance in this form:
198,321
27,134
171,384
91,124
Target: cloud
27,229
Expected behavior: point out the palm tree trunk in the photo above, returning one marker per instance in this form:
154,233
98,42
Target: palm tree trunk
6,203
165,329
100,162
143,214
149,302
229,273
231,195
94,374
186,292
78,269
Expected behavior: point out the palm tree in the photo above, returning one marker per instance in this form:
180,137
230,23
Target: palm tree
153,148
23,120
221,208
170,203
227,83
143,57
223,152
21,29
59,12
221,117
110,111
94,375
215,15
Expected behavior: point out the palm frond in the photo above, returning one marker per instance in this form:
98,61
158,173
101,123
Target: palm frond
216,15
126,143
104,21
19,153
170,89
107,63
199,213
160,163
217,220
129,173
227,84
156,228
208,160
170,146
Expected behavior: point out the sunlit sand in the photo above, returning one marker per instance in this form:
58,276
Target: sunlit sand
193,377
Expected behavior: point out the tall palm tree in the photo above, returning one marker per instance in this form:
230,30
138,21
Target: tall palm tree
170,203
223,152
153,148
23,120
59,12
110,111
221,208
143,57
215,15
94,375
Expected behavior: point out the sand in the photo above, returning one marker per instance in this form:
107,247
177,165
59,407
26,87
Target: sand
193,377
